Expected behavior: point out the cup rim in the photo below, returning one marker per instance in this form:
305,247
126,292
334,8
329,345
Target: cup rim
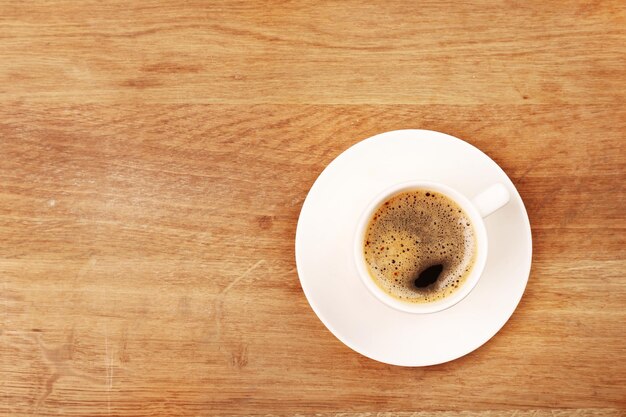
475,273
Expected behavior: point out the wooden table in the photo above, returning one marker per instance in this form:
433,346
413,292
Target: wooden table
154,157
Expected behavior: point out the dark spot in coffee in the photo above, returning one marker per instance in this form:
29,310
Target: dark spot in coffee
428,276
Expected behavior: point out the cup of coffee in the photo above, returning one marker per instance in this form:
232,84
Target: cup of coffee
421,247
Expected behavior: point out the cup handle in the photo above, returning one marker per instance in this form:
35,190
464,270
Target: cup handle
491,199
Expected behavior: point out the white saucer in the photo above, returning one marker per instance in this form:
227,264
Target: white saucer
324,249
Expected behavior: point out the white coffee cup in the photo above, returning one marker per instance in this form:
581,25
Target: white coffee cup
479,207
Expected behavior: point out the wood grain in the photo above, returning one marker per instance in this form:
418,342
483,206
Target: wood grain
155,157
314,52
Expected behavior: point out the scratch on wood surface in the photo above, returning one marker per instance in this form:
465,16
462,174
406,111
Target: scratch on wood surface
91,262
522,96
241,277
239,357
49,387
219,300
108,363
59,358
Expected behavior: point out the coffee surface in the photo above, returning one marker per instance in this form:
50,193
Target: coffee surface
419,246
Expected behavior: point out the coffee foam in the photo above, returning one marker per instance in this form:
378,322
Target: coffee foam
412,231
